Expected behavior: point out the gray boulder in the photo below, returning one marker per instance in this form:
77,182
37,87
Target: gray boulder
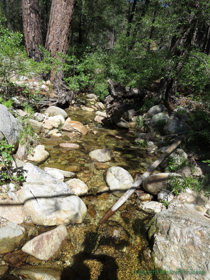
158,182
176,160
155,110
175,126
54,111
92,96
181,113
151,207
158,121
9,125
181,242
47,200
11,237
165,195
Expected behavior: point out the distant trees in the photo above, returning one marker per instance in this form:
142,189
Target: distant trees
133,42
190,38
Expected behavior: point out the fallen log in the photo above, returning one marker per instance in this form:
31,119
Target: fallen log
117,100
137,184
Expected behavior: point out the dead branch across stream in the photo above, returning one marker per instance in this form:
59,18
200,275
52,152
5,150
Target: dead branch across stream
137,184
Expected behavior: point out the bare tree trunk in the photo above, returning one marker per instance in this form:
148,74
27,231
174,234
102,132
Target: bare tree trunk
58,33
111,40
32,28
130,16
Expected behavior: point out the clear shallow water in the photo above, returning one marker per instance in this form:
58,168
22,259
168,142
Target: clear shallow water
115,249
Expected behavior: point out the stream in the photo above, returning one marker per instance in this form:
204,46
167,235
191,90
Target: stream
120,247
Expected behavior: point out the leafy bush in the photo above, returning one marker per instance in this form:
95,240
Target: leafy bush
199,134
6,160
180,185
88,73
195,73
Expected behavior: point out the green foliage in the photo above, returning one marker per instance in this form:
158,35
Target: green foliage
8,103
27,133
142,143
14,60
180,185
28,109
148,103
140,122
199,134
195,74
88,73
174,166
206,161
6,160
165,203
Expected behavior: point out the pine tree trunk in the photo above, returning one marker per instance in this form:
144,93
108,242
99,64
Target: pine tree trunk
32,28
58,32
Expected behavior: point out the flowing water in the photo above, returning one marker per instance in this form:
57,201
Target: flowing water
118,249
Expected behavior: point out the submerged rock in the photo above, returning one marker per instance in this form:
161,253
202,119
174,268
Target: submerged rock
38,273
3,270
118,179
47,244
101,155
16,258
69,146
70,125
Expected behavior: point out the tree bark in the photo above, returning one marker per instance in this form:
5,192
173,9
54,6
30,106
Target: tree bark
130,16
32,28
58,33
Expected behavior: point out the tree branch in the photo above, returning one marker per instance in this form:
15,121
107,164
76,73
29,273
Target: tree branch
136,184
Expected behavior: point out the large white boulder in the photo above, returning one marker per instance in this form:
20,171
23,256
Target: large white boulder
47,200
